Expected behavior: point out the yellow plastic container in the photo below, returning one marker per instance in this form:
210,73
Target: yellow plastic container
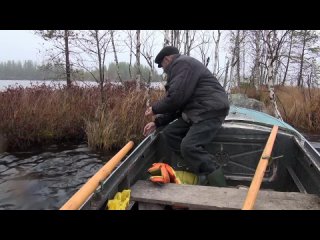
120,201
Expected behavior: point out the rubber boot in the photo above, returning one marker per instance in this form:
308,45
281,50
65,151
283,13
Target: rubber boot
203,180
216,178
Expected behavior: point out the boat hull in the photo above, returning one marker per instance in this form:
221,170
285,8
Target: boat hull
294,167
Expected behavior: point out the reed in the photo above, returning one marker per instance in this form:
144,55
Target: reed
298,106
123,121
42,114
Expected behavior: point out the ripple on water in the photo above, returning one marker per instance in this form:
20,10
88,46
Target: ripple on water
47,179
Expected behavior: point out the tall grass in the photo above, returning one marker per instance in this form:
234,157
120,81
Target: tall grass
298,106
41,114
123,121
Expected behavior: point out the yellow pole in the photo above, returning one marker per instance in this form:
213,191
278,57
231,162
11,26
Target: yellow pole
261,168
76,201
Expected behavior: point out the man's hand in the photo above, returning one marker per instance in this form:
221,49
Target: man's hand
149,112
149,128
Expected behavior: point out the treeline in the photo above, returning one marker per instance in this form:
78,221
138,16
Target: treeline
125,74
27,70
30,70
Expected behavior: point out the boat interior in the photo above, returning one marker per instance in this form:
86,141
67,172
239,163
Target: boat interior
294,165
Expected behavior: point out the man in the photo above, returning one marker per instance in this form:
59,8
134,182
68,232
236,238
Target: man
199,103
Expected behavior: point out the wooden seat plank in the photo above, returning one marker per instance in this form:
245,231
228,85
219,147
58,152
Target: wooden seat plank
207,197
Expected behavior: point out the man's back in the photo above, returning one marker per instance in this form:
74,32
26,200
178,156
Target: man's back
206,97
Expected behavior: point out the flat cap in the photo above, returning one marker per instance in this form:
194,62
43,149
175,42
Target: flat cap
166,51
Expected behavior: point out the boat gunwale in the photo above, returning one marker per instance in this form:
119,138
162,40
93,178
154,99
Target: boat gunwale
134,156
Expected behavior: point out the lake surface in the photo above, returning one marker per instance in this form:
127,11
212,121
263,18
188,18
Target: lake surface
28,83
47,178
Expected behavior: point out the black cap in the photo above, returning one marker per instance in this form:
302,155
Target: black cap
166,51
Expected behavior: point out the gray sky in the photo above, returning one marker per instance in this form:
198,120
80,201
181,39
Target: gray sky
25,45
20,45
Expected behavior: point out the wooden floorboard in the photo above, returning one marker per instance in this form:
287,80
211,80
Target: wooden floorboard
205,197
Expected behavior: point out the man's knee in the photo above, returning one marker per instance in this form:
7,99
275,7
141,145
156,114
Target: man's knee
168,132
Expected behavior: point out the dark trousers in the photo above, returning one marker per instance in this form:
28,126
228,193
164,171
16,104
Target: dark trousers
189,139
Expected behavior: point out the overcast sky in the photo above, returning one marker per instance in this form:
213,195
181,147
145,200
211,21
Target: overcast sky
25,45
20,45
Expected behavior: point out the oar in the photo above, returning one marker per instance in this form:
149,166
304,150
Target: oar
261,168
77,200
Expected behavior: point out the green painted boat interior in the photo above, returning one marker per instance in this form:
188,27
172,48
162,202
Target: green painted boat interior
256,116
238,146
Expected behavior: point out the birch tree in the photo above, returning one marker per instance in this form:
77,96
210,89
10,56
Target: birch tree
237,55
94,45
147,53
147,44
203,46
225,82
115,53
234,39
274,44
189,41
243,52
176,38
166,41
138,44
130,38
216,52
288,59
306,49
60,54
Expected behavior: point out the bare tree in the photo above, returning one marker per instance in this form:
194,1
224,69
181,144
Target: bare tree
243,52
237,54
115,54
147,44
138,44
61,47
236,39
129,44
176,38
263,63
166,38
94,45
147,53
274,44
225,82
313,77
234,59
67,54
203,46
216,52
288,58
306,49
189,41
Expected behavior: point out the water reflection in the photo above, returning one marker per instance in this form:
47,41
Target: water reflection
46,180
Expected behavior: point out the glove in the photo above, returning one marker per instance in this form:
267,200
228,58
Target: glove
163,173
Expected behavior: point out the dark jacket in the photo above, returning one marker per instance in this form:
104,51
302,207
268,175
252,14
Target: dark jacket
193,91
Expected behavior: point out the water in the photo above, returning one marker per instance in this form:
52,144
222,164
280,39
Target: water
46,179
28,83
